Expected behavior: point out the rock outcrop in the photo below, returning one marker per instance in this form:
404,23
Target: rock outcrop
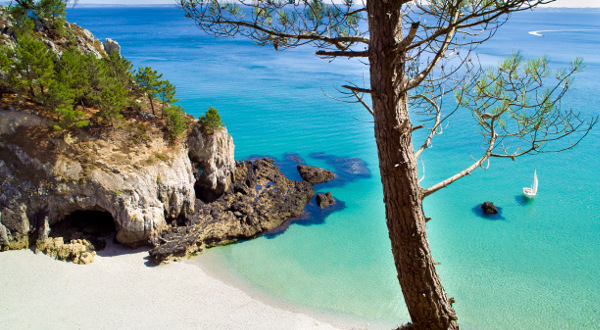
143,182
489,208
111,46
325,200
214,164
315,175
260,199
78,251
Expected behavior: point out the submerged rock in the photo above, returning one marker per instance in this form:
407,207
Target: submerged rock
325,200
315,175
489,208
260,199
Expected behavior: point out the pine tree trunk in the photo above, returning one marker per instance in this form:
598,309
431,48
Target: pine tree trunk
151,99
425,297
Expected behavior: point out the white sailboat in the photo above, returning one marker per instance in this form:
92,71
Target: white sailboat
531,192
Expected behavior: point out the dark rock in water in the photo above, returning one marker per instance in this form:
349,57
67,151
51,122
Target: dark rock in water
346,169
489,208
261,198
315,175
292,156
324,200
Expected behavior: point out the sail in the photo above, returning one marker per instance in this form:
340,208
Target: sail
534,186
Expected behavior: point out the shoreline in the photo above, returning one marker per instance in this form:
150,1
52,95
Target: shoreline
120,289
216,268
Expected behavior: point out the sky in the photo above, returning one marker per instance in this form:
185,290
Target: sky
558,3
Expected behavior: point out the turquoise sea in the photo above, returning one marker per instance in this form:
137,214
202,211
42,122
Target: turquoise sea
535,267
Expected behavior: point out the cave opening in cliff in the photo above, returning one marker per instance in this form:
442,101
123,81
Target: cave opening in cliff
93,225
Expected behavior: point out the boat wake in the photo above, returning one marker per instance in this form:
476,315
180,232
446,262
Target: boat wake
540,33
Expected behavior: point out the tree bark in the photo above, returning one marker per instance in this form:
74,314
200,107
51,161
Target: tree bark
425,297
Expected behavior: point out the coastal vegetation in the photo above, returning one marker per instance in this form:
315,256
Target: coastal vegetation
211,120
414,65
42,62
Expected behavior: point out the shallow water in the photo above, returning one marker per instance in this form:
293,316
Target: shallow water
535,266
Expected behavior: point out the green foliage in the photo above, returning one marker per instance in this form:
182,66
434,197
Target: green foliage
5,68
112,100
53,14
34,67
166,94
58,95
60,99
211,120
521,100
176,122
119,69
72,72
73,82
50,13
149,83
162,157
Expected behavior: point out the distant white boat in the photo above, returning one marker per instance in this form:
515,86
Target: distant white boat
531,192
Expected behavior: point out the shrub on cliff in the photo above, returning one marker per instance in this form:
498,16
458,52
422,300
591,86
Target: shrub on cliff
5,66
33,69
51,14
211,120
149,83
176,122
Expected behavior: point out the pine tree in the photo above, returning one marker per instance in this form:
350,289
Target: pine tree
148,81
71,71
97,78
53,14
5,69
211,120
120,69
176,122
403,42
34,67
112,100
166,94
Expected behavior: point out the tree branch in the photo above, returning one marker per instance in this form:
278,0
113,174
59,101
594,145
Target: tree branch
466,171
359,98
438,120
332,53
415,81
358,89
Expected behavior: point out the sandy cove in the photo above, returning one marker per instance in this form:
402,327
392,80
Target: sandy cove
119,290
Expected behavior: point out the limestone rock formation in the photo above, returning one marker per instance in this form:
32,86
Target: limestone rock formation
46,178
260,199
315,175
212,156
79,251
325,200
111,46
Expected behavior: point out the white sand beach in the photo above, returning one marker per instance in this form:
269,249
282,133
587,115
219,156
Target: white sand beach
120,290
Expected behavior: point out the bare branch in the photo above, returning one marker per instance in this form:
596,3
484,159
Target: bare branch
358,89
466,171
331,53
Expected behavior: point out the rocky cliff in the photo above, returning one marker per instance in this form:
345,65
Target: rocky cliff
143,182
62,188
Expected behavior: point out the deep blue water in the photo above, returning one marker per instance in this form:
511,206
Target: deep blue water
535,266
